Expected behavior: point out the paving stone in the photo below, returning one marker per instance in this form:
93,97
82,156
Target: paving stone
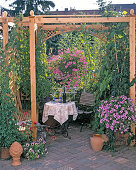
77,154
121,160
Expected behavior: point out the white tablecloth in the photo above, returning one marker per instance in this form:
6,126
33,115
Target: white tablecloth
60,111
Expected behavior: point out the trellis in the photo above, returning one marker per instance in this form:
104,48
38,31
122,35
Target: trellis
54,24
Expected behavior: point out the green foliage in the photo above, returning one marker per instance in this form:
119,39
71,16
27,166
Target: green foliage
83,40
38,6
8,129
43,85
34,150
101,4
113,76
19,42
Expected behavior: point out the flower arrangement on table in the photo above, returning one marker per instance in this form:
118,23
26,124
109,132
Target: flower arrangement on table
35,150
68,67
117,114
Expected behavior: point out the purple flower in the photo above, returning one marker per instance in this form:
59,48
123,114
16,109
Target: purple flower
44,142
31,150
32,143
111,127
107,125
27,144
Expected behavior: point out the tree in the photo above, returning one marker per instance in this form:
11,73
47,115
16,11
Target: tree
25,6
101,4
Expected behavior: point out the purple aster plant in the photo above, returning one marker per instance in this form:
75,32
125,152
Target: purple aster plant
117,113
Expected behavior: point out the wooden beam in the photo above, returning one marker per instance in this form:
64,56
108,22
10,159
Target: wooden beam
132,54
81,20
5,29
32,72
132,60
12,19
66,16
68,27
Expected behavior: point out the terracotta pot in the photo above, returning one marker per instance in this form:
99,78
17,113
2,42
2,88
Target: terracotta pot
96,142
4,153
121,139
16,151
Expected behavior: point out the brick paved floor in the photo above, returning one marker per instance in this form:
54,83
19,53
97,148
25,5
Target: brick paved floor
76,154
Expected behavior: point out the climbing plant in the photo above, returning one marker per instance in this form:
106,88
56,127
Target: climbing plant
8,125
113,76
20,53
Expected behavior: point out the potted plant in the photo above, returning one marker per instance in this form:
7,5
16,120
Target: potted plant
116,115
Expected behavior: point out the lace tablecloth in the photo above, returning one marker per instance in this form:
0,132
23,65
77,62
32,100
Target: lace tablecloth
60,111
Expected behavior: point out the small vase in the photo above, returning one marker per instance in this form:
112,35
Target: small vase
4,153
16,151
97,142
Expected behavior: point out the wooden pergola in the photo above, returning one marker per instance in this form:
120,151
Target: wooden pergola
54,24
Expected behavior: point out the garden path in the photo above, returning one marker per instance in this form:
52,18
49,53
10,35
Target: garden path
76,154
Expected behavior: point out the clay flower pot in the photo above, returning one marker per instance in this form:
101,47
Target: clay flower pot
97,142
4,153
16,151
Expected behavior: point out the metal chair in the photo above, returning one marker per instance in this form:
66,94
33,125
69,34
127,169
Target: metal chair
86,100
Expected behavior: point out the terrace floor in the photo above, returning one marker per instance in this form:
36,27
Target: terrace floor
76,154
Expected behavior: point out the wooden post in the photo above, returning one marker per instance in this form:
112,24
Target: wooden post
5,29
132,60
32,72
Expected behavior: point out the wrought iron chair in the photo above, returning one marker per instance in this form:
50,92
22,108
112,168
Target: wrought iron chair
86,101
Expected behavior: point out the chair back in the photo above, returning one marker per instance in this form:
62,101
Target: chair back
87,99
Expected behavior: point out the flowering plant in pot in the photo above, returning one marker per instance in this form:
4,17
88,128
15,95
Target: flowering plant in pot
35,150
68,67
117,114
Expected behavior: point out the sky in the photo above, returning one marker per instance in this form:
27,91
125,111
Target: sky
74,4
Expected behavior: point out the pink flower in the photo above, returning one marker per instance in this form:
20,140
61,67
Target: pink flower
68,86
26,113
70,62
74,85
74,62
